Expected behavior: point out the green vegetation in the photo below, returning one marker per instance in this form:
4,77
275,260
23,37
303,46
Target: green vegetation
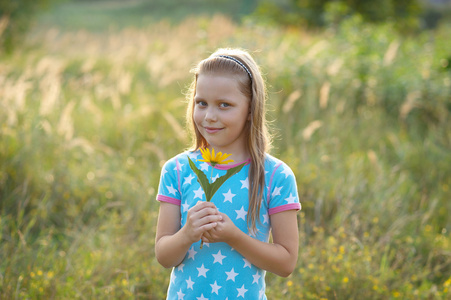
361,113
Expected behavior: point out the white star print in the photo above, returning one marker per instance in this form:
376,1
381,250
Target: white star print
256,277
193,155
218,257
261,293
191,253
231,275
241,291
202,271
241,214
173,277
246,263
290,199
198,193
180,166
245,183
266,218
215,288
185,207
171,189
180,295
190,283
204,166
164,171
228,196
201,297
286,171
188,179
180,267
276,191
214,178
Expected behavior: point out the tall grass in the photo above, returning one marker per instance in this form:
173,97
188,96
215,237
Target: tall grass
361,114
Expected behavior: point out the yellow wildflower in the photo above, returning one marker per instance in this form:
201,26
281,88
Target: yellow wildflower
219,158
345,280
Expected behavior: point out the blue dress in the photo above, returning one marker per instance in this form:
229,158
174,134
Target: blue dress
217,271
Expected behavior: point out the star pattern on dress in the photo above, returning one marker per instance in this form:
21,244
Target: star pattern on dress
191,253
276,191
188,179
265,218
180,267
194,155
214,178
185,207
241,291
173,277
180,295
286,172
228,196
204,166
290,199
190,283
256,278
218,257
241,214
202,271
231,275
178,167
171,189
192,278
201,297
199,193
215,288
246,263
245,183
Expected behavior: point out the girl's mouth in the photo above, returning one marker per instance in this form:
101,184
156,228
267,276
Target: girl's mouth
212,130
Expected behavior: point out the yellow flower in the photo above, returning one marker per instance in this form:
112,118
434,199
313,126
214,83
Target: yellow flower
219,158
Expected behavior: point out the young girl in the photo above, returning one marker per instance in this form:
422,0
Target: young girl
227,113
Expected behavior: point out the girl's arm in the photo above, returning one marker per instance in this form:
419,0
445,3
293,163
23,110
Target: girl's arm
279,257
172,242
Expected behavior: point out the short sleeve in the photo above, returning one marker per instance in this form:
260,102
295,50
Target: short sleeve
283,192
169,189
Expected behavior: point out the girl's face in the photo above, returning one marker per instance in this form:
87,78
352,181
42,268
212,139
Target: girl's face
221,112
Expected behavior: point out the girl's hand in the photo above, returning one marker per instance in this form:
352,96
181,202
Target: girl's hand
222,232
201,217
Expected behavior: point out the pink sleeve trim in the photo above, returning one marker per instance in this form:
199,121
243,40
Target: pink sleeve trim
169,200
291,206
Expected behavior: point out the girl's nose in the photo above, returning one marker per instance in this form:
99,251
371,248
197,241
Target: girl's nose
210,115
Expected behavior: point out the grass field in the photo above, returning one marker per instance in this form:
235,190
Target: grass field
89,113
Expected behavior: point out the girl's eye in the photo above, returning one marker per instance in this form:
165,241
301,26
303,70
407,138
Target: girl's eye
224,105
201,103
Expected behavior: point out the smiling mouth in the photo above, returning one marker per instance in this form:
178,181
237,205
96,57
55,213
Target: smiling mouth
212,129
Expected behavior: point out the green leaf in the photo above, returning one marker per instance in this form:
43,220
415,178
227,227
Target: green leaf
201,178
211,188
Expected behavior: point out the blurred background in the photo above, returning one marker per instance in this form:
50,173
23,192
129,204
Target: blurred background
92,104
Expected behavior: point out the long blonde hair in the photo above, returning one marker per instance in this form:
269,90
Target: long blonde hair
253,87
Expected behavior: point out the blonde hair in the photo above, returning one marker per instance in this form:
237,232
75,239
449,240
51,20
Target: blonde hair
253,87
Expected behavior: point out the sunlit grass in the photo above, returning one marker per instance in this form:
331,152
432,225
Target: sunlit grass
87,120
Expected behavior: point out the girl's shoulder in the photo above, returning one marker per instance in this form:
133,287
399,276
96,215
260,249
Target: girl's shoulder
272,164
